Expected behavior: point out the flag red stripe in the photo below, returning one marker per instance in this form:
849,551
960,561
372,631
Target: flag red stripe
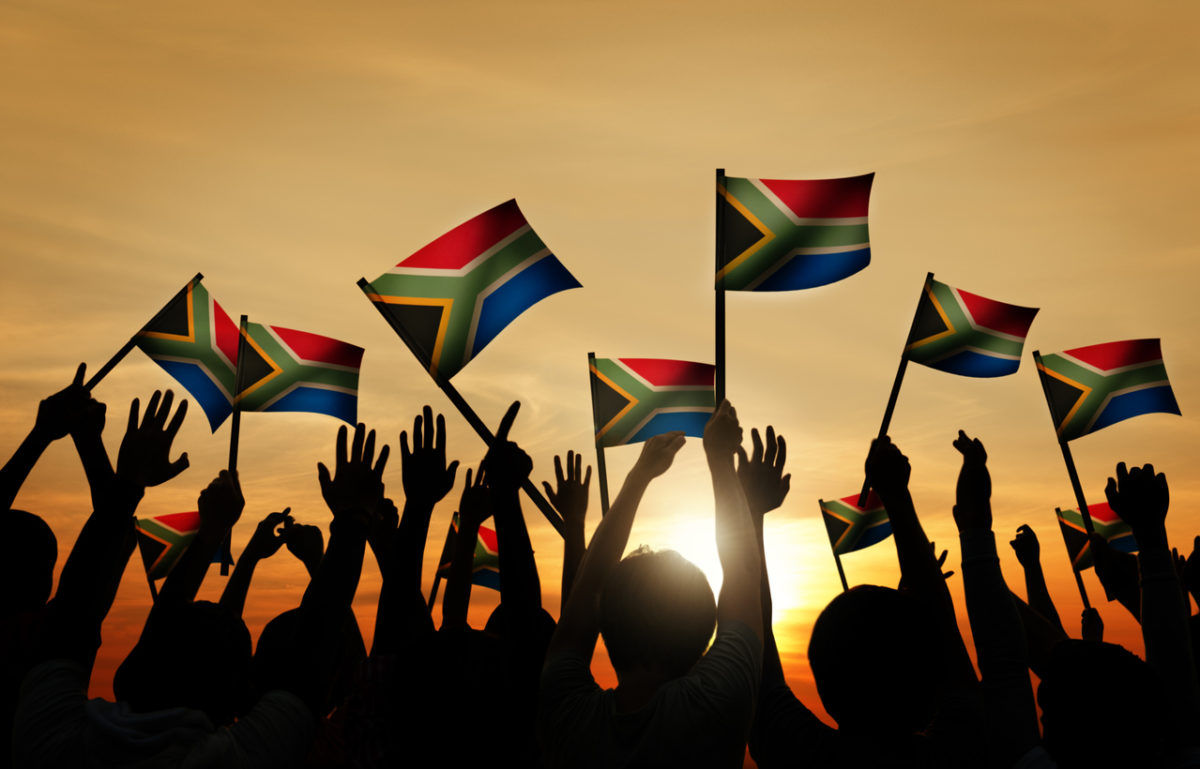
184,523
488,537
873,502
999,316
315,348
823,198
662,372
1112,355
468,240
225,331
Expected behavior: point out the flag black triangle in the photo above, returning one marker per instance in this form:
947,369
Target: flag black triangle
607,402
253,368
928,321
422,322
740,233
175,319
1063,396
150,549
835,526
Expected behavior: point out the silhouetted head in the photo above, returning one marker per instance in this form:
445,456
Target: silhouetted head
283,655
657,612
877,661
28,566
1102,706
196,656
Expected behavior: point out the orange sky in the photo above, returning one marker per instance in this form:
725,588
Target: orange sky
1035,153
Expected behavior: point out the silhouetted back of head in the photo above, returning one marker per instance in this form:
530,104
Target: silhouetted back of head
197,656
283,654
28,568
876,661
1087,685
656,611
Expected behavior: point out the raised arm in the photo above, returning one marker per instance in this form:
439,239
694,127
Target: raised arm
474,507
1028,551
266,540
569,496
506,466
579,626
737,542
427,479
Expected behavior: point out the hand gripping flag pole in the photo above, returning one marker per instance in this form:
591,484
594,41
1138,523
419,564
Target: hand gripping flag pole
601,468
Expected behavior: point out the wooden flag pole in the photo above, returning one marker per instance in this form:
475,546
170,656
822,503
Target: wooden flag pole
1072,473
601,468
719,332
463,407
837,559
128,346
895,393
235,431
1078,577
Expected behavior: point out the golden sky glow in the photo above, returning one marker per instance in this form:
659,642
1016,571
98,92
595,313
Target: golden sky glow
1039,154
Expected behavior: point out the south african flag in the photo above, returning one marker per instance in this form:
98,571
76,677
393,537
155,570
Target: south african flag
196,342
1106,523
163,538
485,568
456,294
288,370
788,234
967,334
851,527
1090,388
634,399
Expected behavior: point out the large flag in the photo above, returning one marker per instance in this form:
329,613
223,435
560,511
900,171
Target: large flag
289,370
968,334
1106,523
163,538
457,293
851,527
787,234
634,399
1090,388
485,568
196,342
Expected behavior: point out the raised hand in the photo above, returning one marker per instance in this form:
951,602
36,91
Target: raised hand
67,410
941,560
144,456
722,434
306,543
355,488
268,536
426,476
475,504
569,495
887,468
221,503
505,463
1141,498
1092,625
973,509
761,475
658,453
1026,546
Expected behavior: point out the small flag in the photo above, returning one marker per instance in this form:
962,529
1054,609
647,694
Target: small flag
163,538
485,569
457,293
851,527
789,234
1106,523
1090,388
195,341
968,334
289,370
634,399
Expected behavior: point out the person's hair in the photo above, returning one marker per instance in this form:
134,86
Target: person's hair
877,660
282,651
29,566
196,655
1086,682
656,610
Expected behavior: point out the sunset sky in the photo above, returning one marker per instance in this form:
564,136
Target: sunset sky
1039,154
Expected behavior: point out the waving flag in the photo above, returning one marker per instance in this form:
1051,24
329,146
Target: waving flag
851,527
195,341
968,334
788,234
457,293
289,370
634,399
485,568
163,538
1106,523
1090,388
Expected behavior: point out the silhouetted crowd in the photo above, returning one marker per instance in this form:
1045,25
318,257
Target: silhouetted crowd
890,665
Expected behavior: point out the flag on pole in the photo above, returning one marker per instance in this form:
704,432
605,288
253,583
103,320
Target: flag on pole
1107,524
195,341
851,527
1090,388
162,539
788,234
485,567
634,399
968,334
289,370
457,293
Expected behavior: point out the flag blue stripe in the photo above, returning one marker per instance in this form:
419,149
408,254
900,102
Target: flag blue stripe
976,364
691,422
1132,404
871,536
812,270
487,577
341,405
200,386
533,284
